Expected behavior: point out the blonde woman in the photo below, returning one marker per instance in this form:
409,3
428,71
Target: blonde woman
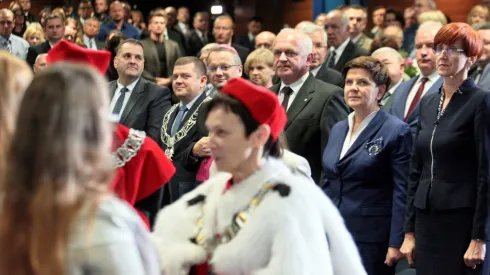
478,14
258,67
433,15
34,34
15,76
73,32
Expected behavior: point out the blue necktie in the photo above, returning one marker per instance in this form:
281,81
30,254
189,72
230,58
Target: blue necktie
331,62
178,120
8,46
120,102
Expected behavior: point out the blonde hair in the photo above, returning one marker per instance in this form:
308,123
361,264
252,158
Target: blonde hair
260,56
476,10
34,29
434,15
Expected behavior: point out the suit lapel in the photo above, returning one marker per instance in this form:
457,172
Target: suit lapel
400,109
193,108
302,99
370,130
135,96
113,88
321,72
338,143
339,66
171,120
434,88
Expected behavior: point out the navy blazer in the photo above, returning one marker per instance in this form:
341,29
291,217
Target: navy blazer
400,97
369,183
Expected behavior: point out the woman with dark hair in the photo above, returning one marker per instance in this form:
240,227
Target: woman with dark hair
20,25
256,216
113,40
58,216
450,168
365,167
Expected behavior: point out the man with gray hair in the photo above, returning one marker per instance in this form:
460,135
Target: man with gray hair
8,41
342,50
407,96
393,61
357,24
318,67
312,106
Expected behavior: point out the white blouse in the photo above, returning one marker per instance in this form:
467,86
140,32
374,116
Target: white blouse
350,140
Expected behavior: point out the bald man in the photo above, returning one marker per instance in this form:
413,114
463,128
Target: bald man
8,41
41,63
116,11
264,40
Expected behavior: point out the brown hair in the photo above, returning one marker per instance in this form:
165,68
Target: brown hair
379,73
49,180
15,76
450,33
199,66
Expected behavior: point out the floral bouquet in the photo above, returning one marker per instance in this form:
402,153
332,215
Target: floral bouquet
410,69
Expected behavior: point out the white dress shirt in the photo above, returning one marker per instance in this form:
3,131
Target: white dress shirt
90,42
340,50
117,94
432,80
314,72
183,27
390,92
349,138
295,86
355,39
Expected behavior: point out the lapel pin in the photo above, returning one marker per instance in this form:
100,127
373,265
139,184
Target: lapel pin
306,99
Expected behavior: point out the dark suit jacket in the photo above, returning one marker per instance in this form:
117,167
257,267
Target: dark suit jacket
178,37
243,40
399,102
146,106
152,62
314,111
450,165
36,50
351,51
195,44
186,164
371,202
484,81
331,76
242,52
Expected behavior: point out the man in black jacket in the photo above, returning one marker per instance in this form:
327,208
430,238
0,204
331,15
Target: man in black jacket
223,30
54,29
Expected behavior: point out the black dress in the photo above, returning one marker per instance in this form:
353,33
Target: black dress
448,180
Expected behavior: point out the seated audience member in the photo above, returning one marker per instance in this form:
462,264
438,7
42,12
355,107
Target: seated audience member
259,67
357,24
200,35
394,18
20,24
54,29
34,34
433,15
90,30
203,54
378,17
265,40
41,63
381,42
71,223
394,63
116,11
138,21
9,41
395,33
223,63
479,14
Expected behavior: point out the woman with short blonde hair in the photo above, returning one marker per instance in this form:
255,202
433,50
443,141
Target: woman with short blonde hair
434,15
478,14
34,34
259,67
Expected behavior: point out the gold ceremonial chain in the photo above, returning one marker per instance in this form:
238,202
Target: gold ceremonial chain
238,222
170,141
129,149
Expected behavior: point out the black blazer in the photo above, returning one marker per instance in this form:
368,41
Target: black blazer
351,51
450,167
244,40
186,164
36,50
331,76
242,52
146,106
314,111
195,44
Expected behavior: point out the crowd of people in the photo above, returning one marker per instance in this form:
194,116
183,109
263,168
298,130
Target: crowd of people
133,146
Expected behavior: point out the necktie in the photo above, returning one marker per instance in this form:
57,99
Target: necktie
91,44
178,120
331,62
120,102
417,97
287,91
8,46
204,38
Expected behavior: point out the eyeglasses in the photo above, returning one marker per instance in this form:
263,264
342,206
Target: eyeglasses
8,23
223,68
449,50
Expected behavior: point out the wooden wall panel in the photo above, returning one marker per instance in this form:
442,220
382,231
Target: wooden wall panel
36,5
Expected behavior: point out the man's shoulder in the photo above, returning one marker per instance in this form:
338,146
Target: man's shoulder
20,40
325,88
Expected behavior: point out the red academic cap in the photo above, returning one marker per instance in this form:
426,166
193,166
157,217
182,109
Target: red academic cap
262,103
69,52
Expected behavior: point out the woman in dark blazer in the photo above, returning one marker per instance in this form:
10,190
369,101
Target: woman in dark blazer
365,167
449,170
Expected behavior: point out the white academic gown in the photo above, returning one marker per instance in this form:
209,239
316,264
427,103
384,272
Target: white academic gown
301,233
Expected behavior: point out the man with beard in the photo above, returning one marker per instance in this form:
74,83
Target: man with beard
138,103
116,11
405,104
318,68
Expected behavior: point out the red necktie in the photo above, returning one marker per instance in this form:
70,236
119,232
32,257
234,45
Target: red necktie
417,97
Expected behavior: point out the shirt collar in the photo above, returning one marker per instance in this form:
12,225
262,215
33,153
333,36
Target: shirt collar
191,103
350,118
4,39
130,87
392,89
314,72
433,77
355,39
295,86
341,48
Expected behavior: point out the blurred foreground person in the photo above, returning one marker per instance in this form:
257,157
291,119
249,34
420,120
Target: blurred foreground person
257,216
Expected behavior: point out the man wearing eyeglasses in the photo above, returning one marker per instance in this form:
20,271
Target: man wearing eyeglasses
223,64
407,96
313,107
8,41
223,33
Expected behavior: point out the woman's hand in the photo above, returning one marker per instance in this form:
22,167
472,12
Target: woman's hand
393,256
475,254
408,247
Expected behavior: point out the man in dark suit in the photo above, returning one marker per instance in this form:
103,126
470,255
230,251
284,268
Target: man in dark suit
254,27
90,30
26,8
313,106
101,7
173,32
54,30
160,54
223,33
406,99
184,140
357,24
200,35
137,103
182,24
318,68
395,64
342,50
